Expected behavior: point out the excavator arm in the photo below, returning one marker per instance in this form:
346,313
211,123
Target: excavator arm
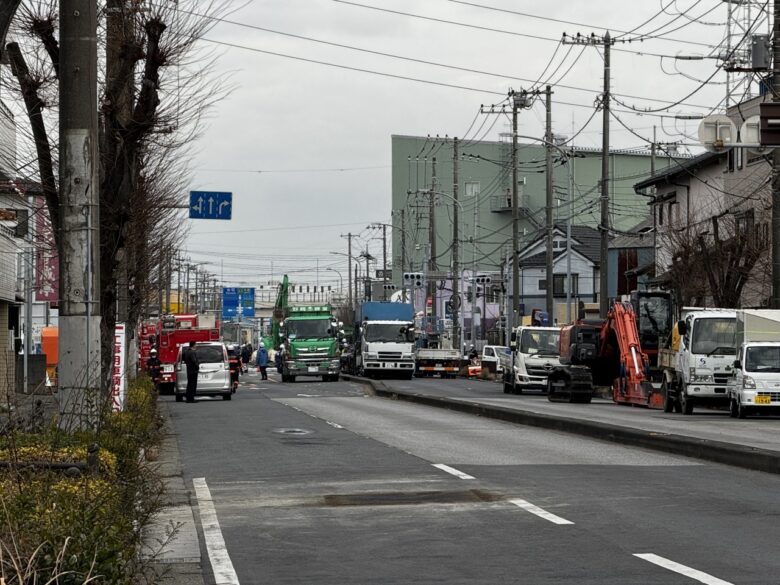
620,338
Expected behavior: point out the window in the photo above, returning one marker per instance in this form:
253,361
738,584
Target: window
471,188
661,214
543,285
559,285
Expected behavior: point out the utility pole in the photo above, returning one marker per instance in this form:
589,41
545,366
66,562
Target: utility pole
568,233
403,252
606,41
455,300
432,245
549,207
775,298
349,272
384,261
521,99
79,321
604,255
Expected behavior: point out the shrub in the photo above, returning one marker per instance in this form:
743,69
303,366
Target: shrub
80,526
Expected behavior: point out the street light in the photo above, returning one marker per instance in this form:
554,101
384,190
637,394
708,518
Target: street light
341,280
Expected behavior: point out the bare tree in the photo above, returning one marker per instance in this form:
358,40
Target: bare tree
158,83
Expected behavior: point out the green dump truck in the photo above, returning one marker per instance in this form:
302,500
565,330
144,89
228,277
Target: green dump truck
310,343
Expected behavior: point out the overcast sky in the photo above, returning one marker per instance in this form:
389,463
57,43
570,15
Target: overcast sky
321,135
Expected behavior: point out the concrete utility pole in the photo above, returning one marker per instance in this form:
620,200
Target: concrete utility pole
403,253
79,321
432,245
514,313
349,272
607,43
604,227
549,206
455,299
384,262
775,297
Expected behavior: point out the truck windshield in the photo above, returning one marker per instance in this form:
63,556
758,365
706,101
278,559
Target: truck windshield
762,359
388,332
713,334
541,342
310,329
654,320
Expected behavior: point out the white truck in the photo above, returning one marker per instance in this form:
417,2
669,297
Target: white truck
701,370
756,388
384,339
532,354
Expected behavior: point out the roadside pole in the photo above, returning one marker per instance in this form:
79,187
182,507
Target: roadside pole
455,302
79,322
775,294
549,204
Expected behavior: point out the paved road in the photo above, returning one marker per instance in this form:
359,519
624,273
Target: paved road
317,483
716,425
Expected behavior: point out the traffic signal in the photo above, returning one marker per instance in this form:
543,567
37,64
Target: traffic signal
483,280
413,279
388,286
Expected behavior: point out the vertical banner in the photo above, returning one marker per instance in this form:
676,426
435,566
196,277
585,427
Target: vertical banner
47,262
118,377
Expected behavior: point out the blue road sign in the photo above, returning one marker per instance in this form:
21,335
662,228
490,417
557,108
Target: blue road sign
211,205
238,302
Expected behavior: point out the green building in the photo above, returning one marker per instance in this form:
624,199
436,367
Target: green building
424,164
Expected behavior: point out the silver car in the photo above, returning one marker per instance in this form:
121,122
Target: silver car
213,374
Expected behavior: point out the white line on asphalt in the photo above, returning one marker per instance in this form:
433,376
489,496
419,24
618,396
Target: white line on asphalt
529,507
682,569
221,566
334,425
453,471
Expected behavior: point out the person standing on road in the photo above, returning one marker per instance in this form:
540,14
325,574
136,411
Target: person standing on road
193,367
246,355
153,367
262,361
279,358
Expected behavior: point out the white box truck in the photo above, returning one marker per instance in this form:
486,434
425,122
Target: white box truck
756,388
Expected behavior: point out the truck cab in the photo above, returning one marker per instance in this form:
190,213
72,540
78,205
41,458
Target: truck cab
705,360
533,353
756,388
311,344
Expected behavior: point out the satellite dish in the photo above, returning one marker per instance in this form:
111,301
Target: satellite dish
750,132
717,133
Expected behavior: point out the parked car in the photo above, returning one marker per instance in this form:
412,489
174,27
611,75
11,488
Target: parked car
490,358
213,375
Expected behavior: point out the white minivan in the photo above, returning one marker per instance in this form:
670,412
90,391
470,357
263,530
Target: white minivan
213,374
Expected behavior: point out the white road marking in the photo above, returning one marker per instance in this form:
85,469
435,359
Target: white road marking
310,395
221,566
453,471
529,507
334,425
682,569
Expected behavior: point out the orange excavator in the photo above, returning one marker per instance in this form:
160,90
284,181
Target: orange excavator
631,384
603,353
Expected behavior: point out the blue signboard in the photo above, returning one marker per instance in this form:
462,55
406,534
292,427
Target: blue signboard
211,205
238,302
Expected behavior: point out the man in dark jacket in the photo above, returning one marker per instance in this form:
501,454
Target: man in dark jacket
153,367
193,366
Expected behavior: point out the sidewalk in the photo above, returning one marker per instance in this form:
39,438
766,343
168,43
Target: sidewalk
176,559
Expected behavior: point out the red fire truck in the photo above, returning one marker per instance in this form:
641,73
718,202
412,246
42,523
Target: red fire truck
147,340
173,331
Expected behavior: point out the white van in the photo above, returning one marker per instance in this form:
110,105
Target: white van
213,374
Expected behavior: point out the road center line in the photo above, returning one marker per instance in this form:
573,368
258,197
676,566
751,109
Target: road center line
682,569
334,425
221,566
529,507
453,471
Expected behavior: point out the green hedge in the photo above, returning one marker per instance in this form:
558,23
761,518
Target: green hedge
86,525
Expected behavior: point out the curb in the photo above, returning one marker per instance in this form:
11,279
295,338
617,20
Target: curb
716,451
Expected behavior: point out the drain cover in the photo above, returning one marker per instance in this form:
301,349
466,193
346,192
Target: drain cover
293,431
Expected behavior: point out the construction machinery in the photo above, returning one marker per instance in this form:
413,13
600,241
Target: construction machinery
279,314
603,353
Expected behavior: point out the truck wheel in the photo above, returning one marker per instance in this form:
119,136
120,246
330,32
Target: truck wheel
668,399
741,410
228,396
686,402
508,389
733,408
291,379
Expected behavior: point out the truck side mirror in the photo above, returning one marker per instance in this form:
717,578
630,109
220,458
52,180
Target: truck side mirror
682,328
737,365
